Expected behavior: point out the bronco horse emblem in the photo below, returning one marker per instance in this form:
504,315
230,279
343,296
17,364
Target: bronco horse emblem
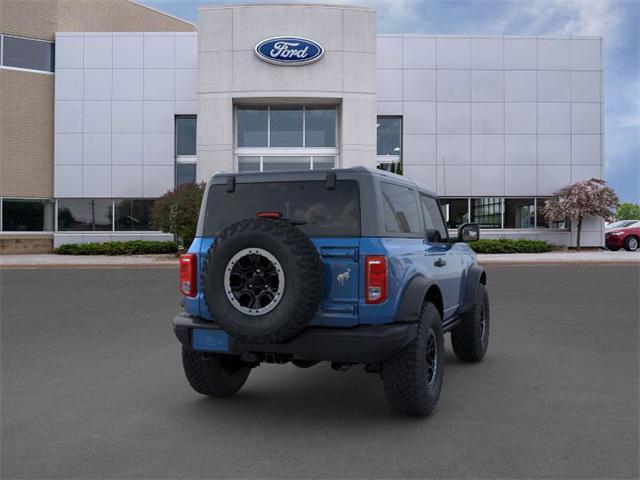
344,276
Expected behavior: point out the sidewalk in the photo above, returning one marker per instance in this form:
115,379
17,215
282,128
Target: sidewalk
170,261
565,257
87,261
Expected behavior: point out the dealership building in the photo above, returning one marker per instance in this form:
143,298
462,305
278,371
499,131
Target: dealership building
107,105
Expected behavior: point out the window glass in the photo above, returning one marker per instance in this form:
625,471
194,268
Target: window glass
542,222
26,53
400,207
84,214
389,132
456,211
133,215
324,212
487,212
519,213
434,225
185,173
324,163
248,164
320,127
252,126
272,163
186,135
27,215
286,126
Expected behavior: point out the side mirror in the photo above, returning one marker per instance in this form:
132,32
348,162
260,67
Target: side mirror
468,232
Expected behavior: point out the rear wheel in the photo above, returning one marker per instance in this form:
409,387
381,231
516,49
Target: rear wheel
214,375
412,379
631,244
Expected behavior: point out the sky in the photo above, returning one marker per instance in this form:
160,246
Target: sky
617,21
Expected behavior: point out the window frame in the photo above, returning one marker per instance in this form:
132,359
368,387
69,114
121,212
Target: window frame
389,159
51,201
22,69
183,159
268,150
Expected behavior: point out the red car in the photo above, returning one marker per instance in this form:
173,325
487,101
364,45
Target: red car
627,237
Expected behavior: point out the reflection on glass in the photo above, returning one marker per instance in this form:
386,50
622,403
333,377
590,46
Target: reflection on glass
252,126
186,135
27,215
320,127
542,222
519,213
286,127
456,211
389,132
26,53
185,173
248,164
133,215
324,163
285,163
84,214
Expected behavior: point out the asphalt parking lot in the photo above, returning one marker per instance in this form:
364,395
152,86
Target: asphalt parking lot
92,387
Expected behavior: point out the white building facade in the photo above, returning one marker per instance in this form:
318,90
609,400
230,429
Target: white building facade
494,125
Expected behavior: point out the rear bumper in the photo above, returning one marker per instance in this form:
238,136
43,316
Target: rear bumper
362,344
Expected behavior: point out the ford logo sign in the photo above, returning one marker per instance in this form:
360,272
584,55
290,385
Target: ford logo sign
289,51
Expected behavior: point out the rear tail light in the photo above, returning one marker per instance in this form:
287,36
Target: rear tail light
276,215
188,275
375,279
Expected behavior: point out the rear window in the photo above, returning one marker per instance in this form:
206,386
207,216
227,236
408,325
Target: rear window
325,213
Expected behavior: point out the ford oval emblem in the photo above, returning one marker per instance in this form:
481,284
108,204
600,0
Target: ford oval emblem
289,51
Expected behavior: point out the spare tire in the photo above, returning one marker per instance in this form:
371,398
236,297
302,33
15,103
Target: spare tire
262,280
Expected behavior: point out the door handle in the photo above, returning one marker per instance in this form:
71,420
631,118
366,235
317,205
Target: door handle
439,263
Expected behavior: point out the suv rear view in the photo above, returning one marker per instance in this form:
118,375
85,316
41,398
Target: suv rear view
346,266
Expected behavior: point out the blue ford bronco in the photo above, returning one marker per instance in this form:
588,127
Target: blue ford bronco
351,266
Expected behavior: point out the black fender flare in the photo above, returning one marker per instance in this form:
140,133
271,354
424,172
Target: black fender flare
475,276
413,298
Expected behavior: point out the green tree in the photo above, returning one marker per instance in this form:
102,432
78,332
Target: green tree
628,211
177,211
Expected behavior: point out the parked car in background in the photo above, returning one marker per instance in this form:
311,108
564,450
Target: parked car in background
627,237
620,224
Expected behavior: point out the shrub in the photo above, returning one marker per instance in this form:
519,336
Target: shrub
508,245
132,247
177,211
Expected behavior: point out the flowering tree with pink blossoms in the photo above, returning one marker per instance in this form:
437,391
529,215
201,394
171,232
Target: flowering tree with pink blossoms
586,198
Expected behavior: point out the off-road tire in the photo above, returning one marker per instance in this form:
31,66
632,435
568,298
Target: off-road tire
213,374
404,376
469,339
303,272
630,245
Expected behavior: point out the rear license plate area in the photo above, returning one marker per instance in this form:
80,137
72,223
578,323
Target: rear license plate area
209,340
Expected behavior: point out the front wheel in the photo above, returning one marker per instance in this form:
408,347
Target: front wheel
412,379
213,374
631,244
470,338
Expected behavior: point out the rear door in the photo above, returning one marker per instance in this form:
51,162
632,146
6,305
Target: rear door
447,267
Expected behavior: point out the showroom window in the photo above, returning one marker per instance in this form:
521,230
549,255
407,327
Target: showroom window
186,140
104,215
519,213
542,222
133,215
85,215
487,212
456,211
26,53
26,215
389,143
279,137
